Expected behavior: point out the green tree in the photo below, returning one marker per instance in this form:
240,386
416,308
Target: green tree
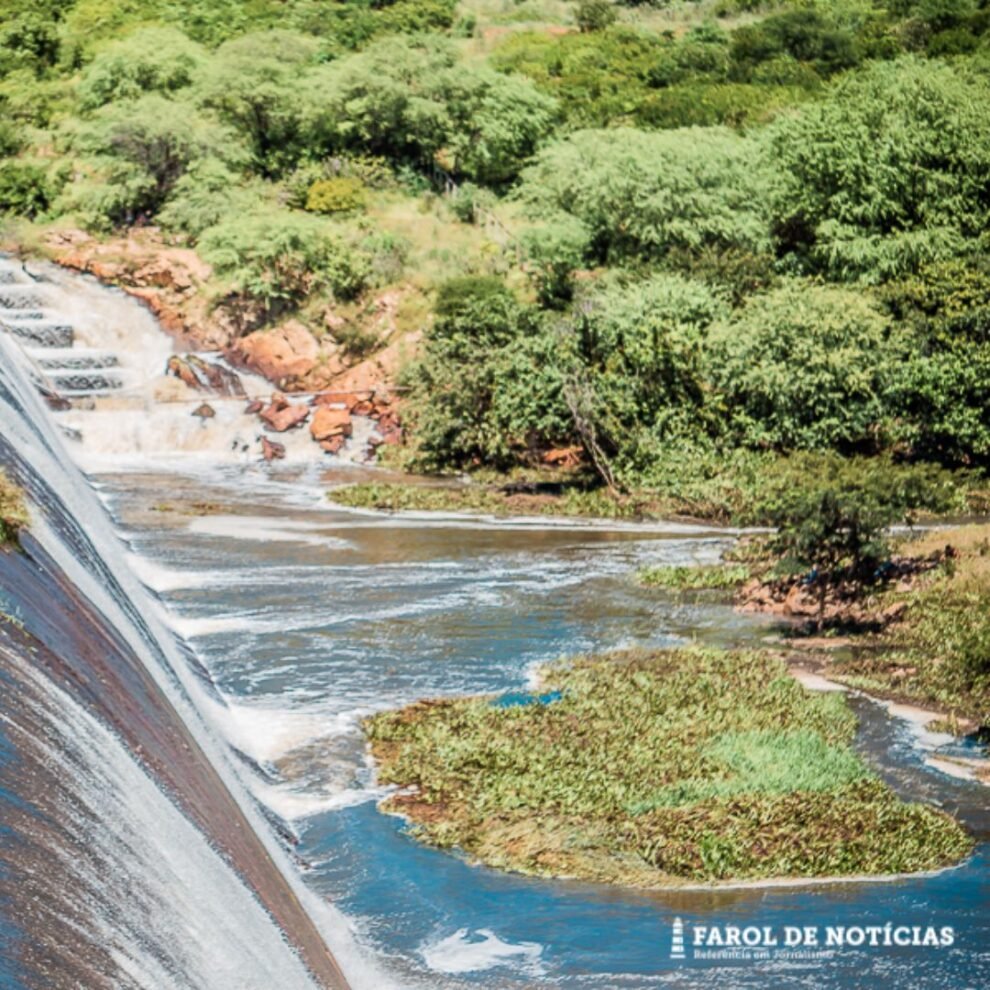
803,367
161,60
141,148
410,100
258,84
642,195
888,173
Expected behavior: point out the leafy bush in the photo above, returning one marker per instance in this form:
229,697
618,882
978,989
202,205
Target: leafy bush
258,85
805,35
160,60
886,174
410,100
594,15
143,148
642,195
277,258
942,400
24,189
338,195
487,388
206,193
637,360
554,250
803,367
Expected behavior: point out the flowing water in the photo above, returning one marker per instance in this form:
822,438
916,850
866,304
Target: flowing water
294,619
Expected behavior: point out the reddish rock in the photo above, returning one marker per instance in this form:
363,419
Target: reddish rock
272,450
205,411
365,408
181,369
333,445
563,457
329,422
254,407
345,400
289,351
281,415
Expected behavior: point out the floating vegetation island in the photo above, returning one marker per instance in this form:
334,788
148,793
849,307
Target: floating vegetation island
654,769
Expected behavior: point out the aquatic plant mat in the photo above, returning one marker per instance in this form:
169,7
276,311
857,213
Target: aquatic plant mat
654,769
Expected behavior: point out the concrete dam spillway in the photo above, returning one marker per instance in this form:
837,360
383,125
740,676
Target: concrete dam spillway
130,855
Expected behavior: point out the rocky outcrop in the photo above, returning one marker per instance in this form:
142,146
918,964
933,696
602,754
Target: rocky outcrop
281,415
204,375
330,421
205,411
272,450
282,355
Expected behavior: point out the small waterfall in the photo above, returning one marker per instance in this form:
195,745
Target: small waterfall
131,854
104,355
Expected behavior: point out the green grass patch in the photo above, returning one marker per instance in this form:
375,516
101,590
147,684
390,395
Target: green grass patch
656,768
492,500
13,512
938,654
684,578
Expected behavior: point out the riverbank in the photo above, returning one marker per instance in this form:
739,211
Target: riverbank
936,650
647,769
740,488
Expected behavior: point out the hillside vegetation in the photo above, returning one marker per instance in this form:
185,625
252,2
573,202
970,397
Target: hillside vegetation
688,239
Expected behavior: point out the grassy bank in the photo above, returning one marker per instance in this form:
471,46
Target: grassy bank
656,769
742,489
938,653
494,500
13,513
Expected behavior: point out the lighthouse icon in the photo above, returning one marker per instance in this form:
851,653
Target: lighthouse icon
677,940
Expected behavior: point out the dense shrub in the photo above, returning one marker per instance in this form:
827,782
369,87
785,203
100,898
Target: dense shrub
803,367
890,172
488,385
411,100
206,193
159,60
342,194
24,189
276,258
594,15
642,195
805,35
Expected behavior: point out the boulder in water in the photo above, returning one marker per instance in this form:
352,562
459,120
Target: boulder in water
288,351
281,415
204,375
204,411
272,450
334,445
329,422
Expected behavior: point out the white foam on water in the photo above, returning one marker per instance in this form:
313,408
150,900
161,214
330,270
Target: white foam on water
157,577
265,733
294,804
481,950
267,530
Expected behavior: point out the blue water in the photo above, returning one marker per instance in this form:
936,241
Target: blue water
309,618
